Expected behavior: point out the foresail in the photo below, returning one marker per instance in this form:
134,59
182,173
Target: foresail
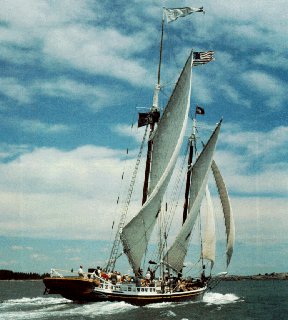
200,172
167,142
227,210
209,239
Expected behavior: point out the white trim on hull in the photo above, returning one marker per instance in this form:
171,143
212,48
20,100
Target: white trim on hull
145,295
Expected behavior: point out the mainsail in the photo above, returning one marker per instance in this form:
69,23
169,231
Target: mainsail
209,239
227,210
175,256
167,141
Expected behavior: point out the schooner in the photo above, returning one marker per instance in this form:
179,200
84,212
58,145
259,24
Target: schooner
164,280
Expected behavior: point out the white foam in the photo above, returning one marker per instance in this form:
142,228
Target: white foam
58,308
102,308
170,314
34,301
159,305
219,298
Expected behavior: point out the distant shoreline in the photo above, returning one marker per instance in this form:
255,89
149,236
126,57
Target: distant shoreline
11,275
266,276
7,275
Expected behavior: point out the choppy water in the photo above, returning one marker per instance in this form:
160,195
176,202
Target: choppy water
230,300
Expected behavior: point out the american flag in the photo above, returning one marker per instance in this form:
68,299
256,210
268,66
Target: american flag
202,57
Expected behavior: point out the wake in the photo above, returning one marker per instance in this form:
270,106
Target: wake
57,308
218,298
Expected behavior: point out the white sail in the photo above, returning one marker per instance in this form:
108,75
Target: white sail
167,142
227,210
209,239
200,171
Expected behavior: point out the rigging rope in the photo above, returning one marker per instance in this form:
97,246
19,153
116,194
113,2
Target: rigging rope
115,248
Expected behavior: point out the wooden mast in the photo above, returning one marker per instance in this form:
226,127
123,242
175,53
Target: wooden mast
154,108
189,171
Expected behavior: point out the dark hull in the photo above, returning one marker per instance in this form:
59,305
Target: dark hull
86,290
75,289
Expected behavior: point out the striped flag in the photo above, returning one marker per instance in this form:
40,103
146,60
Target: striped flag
174,13
202,57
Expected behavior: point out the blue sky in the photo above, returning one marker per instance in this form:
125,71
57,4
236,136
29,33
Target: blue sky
73,76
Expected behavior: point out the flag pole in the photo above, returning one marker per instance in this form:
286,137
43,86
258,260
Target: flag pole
161,50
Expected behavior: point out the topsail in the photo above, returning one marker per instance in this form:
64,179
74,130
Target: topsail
167,142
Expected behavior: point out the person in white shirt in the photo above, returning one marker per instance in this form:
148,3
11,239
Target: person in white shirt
80,272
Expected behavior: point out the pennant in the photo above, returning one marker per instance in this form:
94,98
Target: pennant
173,14
202,57
200,110
145,118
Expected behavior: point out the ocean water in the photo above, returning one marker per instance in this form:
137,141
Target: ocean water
229,300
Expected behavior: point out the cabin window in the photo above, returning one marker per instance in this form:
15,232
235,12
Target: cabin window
129,288
138,289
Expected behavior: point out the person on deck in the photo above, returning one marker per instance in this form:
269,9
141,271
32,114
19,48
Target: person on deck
119,278
104,276
148,277
98,271
113,278
80,272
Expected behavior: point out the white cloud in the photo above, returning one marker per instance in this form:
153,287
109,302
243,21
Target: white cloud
257,143
53,171
63,194
252,161
64,34
78,189
264,83
39,257
38,126
94,96
259,12
25,14
21,248
11,151
277,60
99,51
260,219
7,263
30,126
234,95
12,88
129,131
